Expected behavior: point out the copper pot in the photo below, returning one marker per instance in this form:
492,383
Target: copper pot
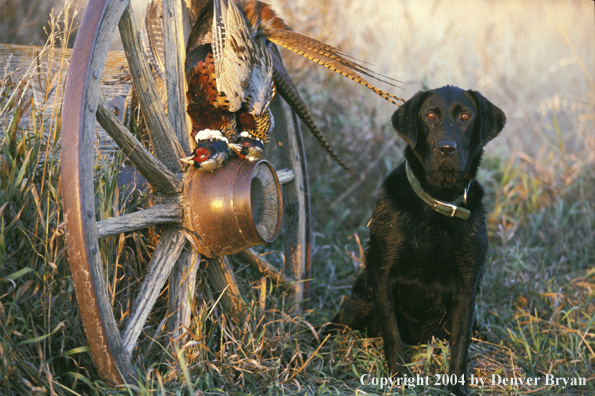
234,208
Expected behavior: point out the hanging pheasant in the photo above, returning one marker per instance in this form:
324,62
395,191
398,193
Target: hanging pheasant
234,70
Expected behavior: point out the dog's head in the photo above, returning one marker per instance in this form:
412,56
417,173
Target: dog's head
446,130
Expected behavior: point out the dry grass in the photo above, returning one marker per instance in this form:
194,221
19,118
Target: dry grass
536,306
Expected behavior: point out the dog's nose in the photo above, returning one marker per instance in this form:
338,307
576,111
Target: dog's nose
447,147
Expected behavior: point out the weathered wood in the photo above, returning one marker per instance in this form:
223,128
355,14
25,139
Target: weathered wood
166,146
260,264
164,258
182,284
175,57
285,175
158,214
118,107
182,281
307,212
223,280
78,159
187,20
156,173
294,205
46,69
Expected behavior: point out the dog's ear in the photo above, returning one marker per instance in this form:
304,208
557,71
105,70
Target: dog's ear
491,118
405,119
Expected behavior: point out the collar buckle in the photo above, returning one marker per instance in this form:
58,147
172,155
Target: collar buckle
450,206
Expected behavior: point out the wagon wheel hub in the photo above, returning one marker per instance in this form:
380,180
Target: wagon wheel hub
234,208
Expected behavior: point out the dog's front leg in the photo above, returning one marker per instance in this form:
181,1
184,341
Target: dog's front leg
461,324
382,290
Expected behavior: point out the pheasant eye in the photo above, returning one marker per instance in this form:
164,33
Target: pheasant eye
431,115
464,116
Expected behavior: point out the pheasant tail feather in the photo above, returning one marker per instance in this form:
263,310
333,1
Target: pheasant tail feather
277,31
334,62
290,94
153,31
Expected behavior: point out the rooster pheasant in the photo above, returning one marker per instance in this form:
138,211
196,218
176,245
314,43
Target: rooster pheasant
233,71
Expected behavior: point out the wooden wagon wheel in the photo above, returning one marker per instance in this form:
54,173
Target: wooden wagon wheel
174,187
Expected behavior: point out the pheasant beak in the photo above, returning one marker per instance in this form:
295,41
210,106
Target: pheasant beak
188,160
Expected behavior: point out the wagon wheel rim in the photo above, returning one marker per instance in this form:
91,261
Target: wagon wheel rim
111,348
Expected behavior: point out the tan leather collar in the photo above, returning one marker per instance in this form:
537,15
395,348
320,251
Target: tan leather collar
444,208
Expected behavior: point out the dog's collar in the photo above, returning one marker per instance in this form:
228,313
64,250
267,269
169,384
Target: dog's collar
445,208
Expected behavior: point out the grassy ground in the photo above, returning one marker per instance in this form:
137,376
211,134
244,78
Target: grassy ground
533,59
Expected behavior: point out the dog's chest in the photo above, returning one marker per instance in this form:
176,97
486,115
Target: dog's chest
433,243
432,254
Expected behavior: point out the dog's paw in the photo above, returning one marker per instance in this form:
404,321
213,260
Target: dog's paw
211,152
247,147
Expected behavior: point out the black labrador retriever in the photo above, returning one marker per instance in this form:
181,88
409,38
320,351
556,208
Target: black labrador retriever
428,236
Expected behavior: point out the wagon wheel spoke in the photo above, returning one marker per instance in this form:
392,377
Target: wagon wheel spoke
167,148
164,258
260,264
285,175
175,78
152,169
155,215
183,277
182,282
223,282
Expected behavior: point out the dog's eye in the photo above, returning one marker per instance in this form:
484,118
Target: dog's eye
431,115
464,116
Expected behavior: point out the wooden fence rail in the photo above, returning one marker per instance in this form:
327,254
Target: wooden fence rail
45,70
